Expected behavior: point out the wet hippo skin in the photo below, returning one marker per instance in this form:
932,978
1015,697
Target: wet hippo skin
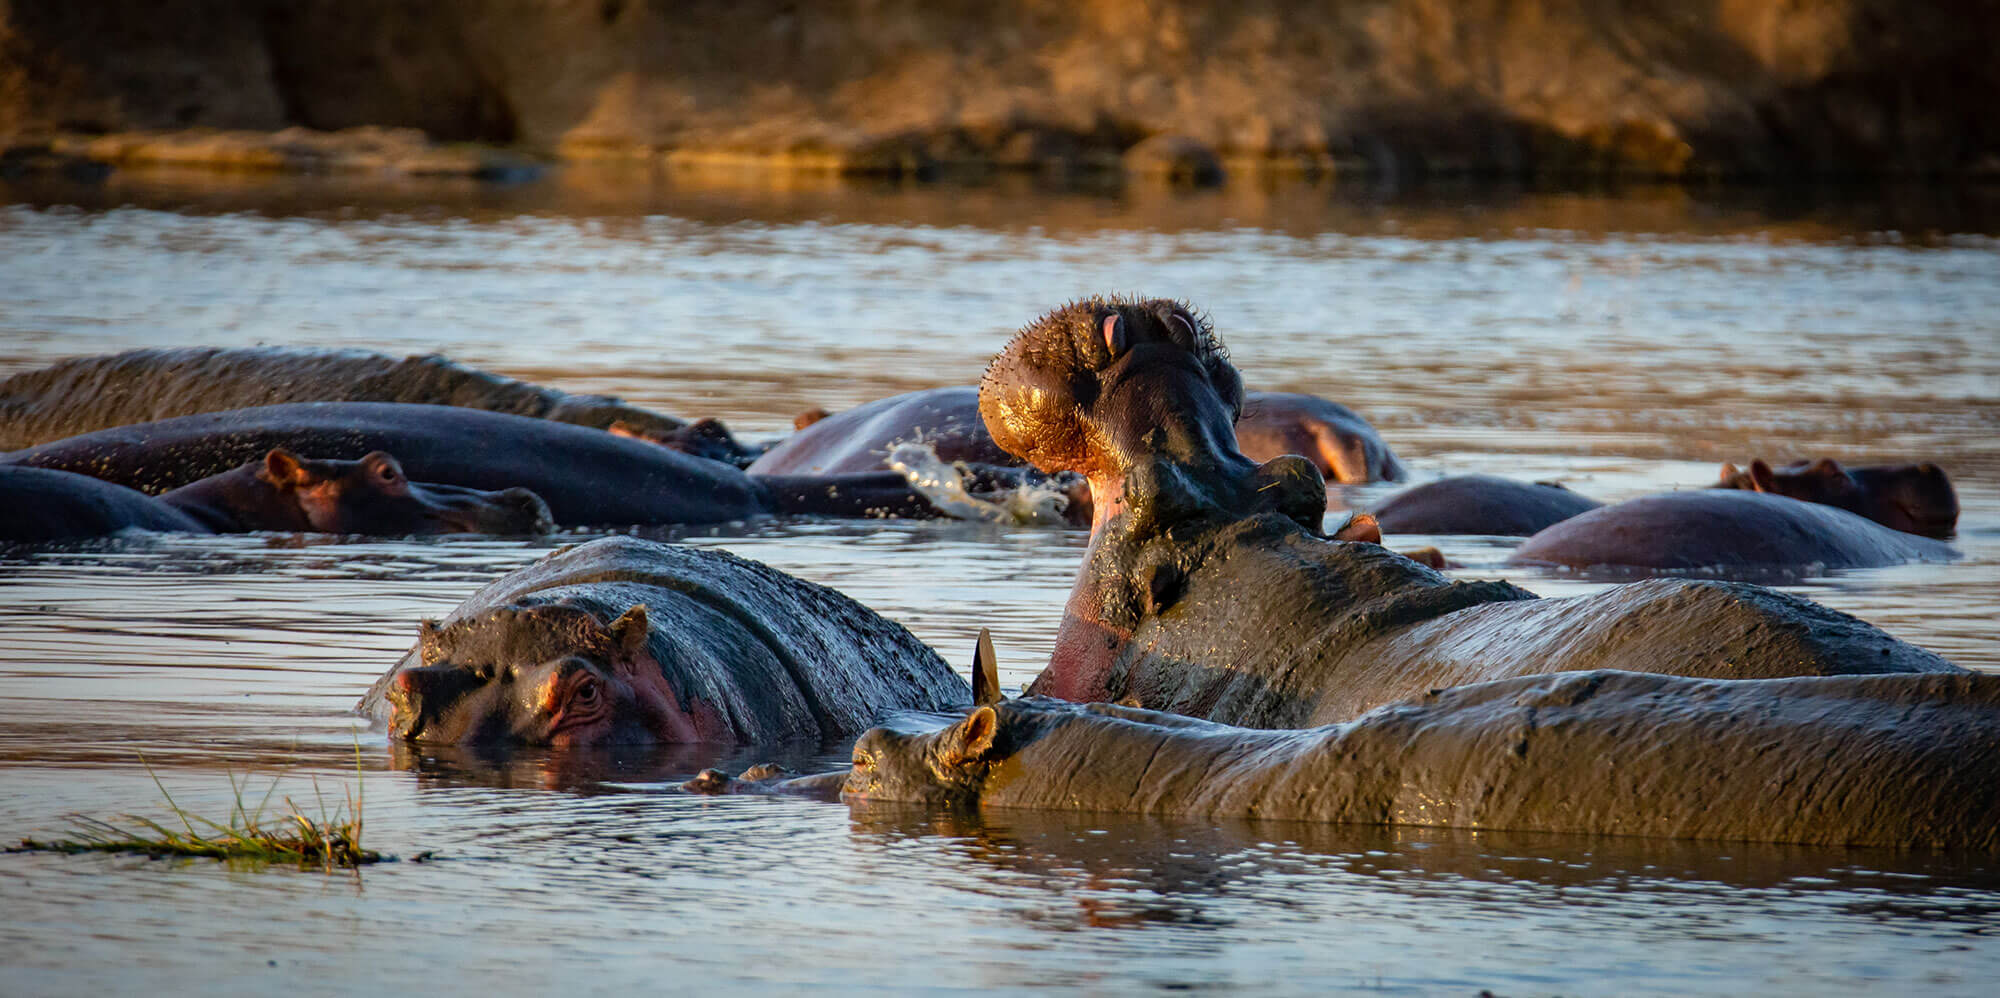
1723,531
1207,589
1903,761
586,476
626,641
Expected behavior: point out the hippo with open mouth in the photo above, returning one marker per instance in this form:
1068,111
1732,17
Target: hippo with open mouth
1904,761
1207,588
624,641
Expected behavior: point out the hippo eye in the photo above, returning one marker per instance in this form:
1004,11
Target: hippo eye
586,693
1114,333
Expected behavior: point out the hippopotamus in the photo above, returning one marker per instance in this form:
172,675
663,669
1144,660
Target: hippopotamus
623,641
141,386
1333,437
1902,761
1723,532
1913,498
1479,504
282,492
1339,442
586,476
1207,588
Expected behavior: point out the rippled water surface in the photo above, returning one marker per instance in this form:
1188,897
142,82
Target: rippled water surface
1623,343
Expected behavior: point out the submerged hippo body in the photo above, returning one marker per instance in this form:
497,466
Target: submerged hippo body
627,641
45,505
1723,531
586,476
282,492
142,386
1913,498
1899,761
1479,504
1207,589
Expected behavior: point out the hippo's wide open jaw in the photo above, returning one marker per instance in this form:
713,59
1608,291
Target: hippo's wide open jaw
1139,397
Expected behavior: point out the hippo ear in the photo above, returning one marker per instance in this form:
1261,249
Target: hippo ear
1729,473
809,417
284,469
1359,527
430,642
985,671
972,738
628,633
1761,478
621,428
1827,467
1114,334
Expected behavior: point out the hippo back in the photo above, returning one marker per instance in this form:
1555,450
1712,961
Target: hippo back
860,438
1479,504
1724,531
780,658
141,386
586,476
44,505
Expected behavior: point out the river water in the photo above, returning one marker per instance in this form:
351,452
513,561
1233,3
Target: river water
1624,342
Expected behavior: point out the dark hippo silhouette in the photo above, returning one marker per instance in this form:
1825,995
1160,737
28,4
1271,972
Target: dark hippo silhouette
622,640
283,492
1913,498
141,386
1908,761
586,476
45,505
1207,589
1723,532
1479,504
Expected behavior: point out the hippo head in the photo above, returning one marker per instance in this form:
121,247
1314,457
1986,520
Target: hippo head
1139,397
1913,498
947,766
544,674
372,496
707,438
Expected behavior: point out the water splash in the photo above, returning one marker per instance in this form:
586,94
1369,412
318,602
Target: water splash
1038,505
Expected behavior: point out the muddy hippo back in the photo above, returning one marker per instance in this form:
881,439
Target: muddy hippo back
747,653
140,386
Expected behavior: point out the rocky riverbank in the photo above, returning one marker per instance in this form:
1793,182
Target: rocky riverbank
1181,88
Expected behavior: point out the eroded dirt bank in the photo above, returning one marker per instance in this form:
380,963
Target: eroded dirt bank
1741,87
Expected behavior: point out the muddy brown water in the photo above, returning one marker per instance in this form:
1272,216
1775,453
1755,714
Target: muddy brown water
1623,342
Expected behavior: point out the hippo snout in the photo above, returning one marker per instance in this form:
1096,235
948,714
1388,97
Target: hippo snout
418,698
529,511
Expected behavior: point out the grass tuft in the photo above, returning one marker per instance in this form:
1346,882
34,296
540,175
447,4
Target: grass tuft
328,842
